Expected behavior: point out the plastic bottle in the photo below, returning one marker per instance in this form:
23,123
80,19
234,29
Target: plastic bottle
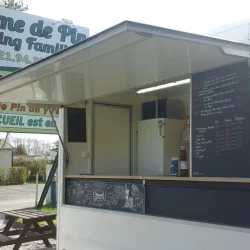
174,166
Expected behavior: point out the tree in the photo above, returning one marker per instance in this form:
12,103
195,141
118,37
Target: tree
20,150
45,147
15,141
28,145
14,5
36,146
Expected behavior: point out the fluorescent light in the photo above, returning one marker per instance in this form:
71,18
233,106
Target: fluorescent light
163,86
182,81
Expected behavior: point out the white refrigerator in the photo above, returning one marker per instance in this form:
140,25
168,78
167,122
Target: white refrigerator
158,141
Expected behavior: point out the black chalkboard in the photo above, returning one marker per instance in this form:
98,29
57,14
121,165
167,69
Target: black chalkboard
76,125
129,197
216,203
221,122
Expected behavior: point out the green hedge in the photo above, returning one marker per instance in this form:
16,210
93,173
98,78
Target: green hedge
13,175
33,167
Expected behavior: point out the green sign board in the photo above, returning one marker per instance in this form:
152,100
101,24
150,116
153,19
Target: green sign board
19,118
4,71
26,39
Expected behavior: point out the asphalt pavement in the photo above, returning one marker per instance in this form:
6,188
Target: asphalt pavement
18,196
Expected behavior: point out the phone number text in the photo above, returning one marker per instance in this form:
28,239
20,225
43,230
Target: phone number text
18,58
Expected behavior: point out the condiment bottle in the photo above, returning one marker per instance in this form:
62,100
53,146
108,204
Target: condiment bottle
183,168
186,131
183,154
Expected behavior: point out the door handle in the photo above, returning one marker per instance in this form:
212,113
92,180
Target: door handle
160,130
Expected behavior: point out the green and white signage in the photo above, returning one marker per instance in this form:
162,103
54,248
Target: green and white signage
26,39
19,118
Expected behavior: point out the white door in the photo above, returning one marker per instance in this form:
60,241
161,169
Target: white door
111,146
150,148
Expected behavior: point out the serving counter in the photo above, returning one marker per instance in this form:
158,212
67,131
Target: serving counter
223,201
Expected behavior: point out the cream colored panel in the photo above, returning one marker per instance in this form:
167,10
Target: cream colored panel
108,74
173,59
142,63
111,140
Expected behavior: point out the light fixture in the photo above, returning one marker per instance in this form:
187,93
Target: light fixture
163,86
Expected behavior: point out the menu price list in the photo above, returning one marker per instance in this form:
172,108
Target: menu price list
220,122
229,136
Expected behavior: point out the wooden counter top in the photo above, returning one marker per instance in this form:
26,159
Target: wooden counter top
161,178
104,177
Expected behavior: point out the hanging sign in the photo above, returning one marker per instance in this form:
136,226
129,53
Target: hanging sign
26,39
19,118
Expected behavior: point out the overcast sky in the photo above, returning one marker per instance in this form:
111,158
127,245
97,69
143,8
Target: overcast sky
187,15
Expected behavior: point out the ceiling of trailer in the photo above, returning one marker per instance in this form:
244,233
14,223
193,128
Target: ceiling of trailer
128,56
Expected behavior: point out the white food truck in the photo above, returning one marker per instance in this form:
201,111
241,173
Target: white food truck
126,96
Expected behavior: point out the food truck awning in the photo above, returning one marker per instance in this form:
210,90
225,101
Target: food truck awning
125,57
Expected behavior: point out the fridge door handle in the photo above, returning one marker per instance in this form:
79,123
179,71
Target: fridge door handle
160,130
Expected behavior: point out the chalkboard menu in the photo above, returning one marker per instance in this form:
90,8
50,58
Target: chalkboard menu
127,197
221,122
